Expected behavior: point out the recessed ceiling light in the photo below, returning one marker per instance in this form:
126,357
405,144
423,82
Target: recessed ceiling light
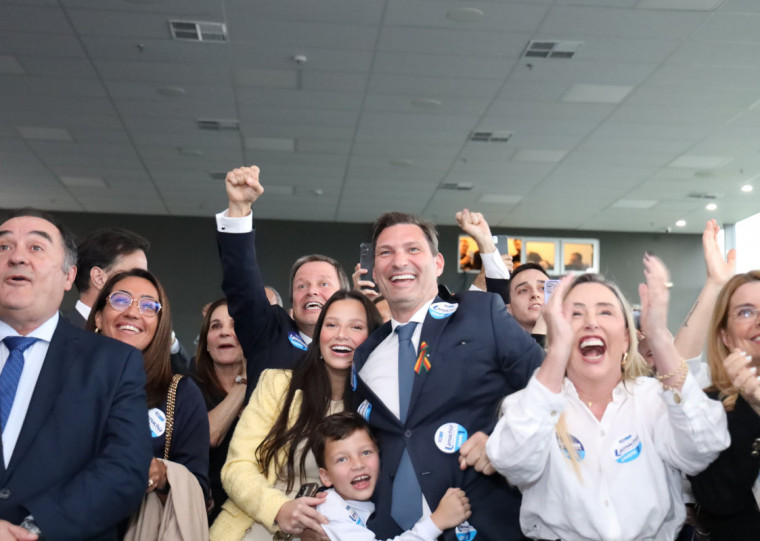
464,15
426,103
694,161
171,91
318,192
186,151
37,133
747,188
681,223
402,162
711,206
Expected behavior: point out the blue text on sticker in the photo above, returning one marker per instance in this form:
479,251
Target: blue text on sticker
440,310
450,436
627,448
579,449
364,410
353,377
354,517
297,341
465,532
157,422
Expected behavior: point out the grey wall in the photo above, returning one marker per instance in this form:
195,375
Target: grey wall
183,255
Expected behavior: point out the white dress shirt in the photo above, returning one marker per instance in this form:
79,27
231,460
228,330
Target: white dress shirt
83,309
494,266
34,355
630,482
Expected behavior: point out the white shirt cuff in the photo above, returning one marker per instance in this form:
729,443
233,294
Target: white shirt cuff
494,265
225,224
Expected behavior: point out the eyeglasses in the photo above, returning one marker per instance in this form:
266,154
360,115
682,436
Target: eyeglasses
121,300
746,313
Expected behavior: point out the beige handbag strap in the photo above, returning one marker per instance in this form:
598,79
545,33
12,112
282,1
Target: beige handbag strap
171,399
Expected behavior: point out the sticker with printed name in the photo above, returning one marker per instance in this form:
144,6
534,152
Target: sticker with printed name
577,445
354,517
157,421
440,310
450,437
627,448
465,532
364,410
297,341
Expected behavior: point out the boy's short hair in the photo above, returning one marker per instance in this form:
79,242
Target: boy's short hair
336,427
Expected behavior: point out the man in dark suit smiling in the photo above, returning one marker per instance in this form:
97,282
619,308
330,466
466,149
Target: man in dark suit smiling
75,440
431,380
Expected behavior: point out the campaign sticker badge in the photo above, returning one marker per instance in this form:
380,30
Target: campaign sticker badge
157,422
465,532
440,310
297,341
627,448
577,445
364,410
450,437
353,377
354,517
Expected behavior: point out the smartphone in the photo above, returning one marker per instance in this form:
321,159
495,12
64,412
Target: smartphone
367,260
502,244
307,490
549,288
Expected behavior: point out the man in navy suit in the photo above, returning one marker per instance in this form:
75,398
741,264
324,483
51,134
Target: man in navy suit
468,353
75,438
270,337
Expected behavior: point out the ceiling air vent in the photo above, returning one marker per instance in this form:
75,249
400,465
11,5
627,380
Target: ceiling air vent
459,186
552,49
198,31
217,124
702,195
491,136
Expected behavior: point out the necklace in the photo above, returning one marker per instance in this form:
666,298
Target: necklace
602,399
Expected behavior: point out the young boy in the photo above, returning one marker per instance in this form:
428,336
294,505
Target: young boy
347,455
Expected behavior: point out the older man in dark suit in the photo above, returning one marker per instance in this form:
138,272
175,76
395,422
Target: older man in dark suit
75,438
431,380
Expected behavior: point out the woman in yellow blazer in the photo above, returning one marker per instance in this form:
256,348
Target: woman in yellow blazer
266,463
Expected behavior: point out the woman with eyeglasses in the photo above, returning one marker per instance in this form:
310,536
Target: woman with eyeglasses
727,492
133,308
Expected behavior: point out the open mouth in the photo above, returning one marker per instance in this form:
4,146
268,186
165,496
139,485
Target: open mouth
226,346
402,277
535,306
341,349
19,279
313,305
592,347
360,482
128,328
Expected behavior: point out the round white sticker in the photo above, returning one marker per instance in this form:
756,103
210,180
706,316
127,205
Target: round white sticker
440,310
157,421
450,437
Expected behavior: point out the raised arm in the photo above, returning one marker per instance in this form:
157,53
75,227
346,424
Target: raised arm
690,339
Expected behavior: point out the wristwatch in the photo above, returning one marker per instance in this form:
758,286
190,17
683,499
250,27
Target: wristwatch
241,379
30,526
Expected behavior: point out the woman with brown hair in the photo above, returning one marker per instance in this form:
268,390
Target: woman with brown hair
268,460
220,374
727,491
133,308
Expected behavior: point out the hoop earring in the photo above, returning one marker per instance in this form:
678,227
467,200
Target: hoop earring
625,360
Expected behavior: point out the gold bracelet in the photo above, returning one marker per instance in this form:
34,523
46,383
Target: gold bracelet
683,370
673,373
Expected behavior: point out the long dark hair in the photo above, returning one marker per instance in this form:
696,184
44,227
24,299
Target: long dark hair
310,377
156,357
205,374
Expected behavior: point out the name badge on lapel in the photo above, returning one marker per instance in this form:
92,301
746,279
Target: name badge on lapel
441,310
297,341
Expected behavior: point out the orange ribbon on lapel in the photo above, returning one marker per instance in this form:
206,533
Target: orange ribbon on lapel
423,359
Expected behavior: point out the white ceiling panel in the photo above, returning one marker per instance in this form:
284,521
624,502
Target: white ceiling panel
355,116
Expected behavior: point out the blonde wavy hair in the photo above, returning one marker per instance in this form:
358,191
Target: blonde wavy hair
632,365
716,349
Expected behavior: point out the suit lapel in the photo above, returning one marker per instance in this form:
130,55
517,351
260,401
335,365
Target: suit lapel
49,384
432,329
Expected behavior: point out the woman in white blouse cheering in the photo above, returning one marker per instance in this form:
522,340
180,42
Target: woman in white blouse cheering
594,444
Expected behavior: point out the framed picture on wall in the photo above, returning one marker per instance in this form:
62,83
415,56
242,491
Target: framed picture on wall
469,255
542,252
580,255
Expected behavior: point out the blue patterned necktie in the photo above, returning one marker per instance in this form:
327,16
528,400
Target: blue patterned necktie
406,503
11,373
